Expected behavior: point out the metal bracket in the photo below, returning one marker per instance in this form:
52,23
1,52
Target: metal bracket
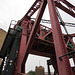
69,53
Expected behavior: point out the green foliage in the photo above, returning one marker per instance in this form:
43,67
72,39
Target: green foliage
31,72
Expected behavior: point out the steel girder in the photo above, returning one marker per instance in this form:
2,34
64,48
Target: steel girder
56,37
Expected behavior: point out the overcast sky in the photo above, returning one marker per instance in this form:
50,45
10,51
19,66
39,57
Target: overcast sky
15,10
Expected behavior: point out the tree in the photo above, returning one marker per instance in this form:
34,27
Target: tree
31,72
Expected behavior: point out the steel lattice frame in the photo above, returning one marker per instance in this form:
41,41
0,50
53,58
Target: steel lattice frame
56,41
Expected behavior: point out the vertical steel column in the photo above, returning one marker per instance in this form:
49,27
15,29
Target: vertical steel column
34,29
64,67
49,63
54,63
73,56
22,48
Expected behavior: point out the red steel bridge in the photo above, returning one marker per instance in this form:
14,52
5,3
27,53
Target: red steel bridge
31,37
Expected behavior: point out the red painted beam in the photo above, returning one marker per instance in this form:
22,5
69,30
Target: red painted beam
64,67
54,63
41,53
18,67
34,30
48,33
59,5
68,4
32,8
72,35
50,42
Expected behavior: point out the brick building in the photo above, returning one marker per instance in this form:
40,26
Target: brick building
39,70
